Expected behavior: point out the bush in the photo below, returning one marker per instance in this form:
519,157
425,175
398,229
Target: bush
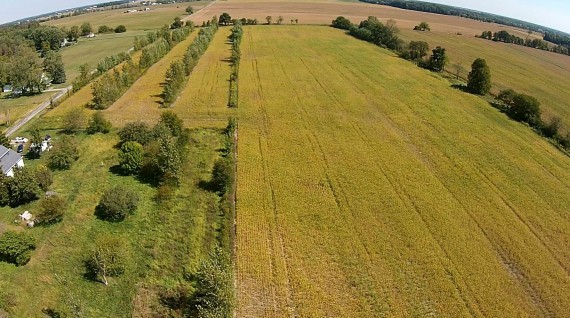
64,153
116,204
525,108
16,248
107,258
222,175
43,177
215,295
341,23
22,188
104,29
98,123
136,131
52,210
74,120
131,157
120,29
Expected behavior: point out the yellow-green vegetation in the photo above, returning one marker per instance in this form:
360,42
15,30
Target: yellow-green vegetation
53,119
142,100
544,75
15,108
367,187
134,21
164,240
92,51
204,100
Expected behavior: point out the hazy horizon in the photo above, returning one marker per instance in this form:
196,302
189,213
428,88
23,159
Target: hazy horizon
548,13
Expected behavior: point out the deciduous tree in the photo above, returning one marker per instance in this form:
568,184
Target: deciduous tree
479,79
107,259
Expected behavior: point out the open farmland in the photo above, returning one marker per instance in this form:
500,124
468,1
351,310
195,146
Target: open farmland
368,187
545,75
203,102
135,21
142,100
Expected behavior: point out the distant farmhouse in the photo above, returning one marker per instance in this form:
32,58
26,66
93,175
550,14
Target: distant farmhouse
10,160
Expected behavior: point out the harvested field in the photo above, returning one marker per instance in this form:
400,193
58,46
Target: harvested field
142,100
324,11
367,187
545,75
203,102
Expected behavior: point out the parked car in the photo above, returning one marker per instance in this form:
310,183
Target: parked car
21,140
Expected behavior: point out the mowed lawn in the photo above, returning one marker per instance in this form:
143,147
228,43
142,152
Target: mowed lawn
142,101
545,75
367,187
204,101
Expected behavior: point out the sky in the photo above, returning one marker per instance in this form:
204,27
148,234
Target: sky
550,13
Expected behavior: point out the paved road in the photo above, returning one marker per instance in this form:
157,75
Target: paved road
35,112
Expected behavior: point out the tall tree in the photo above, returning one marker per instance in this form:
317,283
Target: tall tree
86,28
53,65
438,59
225,19
479,79
268,19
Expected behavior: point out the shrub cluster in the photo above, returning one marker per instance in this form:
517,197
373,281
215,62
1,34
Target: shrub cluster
23,188
235,38
16,248
64,153
155,154
116,204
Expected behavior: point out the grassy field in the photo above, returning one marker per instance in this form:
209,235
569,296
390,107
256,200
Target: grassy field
16,108
367,187
204,100
53,118
544,75
142,100
165,240
137,21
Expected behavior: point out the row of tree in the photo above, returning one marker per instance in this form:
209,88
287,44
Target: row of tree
111,86
504,36
386,35
235,39
178,71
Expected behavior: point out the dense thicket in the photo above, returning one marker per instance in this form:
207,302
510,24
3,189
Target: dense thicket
372,30
16,248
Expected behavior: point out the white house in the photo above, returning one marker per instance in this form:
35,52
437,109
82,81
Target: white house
9,160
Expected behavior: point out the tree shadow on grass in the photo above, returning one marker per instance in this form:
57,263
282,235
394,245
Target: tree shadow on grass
207,185
461,87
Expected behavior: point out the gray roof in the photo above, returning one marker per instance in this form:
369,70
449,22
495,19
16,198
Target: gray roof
8,158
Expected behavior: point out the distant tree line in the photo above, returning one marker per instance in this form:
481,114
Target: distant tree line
235,39
460,12
178,71
504,36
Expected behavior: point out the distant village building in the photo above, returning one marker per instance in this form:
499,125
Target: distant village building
10,160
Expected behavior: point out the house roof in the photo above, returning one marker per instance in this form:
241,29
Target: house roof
8,158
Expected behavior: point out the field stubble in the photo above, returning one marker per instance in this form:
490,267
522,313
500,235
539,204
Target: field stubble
364,191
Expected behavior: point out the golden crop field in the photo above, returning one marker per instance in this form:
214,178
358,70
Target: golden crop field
367,187
142,100
203,102
545,75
